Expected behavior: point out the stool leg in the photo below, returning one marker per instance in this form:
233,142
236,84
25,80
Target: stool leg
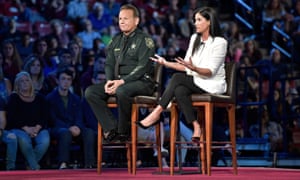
99,149
173,129
158,146
231,117
208,126
129,157
134,117
201,118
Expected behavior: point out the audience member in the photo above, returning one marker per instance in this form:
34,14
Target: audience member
55,9
100,17
235,39
12,9
272,14
67,121
5,84
9,138
93,69
77,59
99,47
252,50
88,34
113,7
12,32
65,60
57,31
34,67
77,10
40,47
30,122
12,62
25,46
128,72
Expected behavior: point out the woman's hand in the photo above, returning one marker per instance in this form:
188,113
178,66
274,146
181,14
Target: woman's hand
158,59
188,64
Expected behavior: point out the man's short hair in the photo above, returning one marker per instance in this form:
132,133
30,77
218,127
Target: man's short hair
65,69
135,10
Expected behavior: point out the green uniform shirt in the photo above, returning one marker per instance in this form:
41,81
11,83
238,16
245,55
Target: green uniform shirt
134,60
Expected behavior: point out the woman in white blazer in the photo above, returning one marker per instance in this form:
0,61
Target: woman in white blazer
203,66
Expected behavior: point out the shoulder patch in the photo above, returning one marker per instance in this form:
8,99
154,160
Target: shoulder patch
149,43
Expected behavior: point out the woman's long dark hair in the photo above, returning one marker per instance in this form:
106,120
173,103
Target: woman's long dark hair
214,29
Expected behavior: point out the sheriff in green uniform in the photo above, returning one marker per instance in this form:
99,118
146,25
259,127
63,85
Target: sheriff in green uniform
128,72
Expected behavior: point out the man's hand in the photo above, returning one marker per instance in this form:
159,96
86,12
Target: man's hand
112,85
74,130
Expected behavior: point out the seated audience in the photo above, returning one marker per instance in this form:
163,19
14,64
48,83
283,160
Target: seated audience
30,122
67,121
34,67
12,62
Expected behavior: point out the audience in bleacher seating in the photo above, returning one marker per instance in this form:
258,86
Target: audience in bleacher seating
31,120
67,121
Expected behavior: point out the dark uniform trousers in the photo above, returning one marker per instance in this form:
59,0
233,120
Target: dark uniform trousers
97,99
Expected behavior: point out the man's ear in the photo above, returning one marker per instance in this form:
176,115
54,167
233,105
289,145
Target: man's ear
137,21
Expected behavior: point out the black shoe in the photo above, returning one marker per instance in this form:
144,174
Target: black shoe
146,127
112,134
123,138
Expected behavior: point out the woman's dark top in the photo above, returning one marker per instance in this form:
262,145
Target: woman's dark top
21,113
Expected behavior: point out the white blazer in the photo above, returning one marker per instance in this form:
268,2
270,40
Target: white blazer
210,55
